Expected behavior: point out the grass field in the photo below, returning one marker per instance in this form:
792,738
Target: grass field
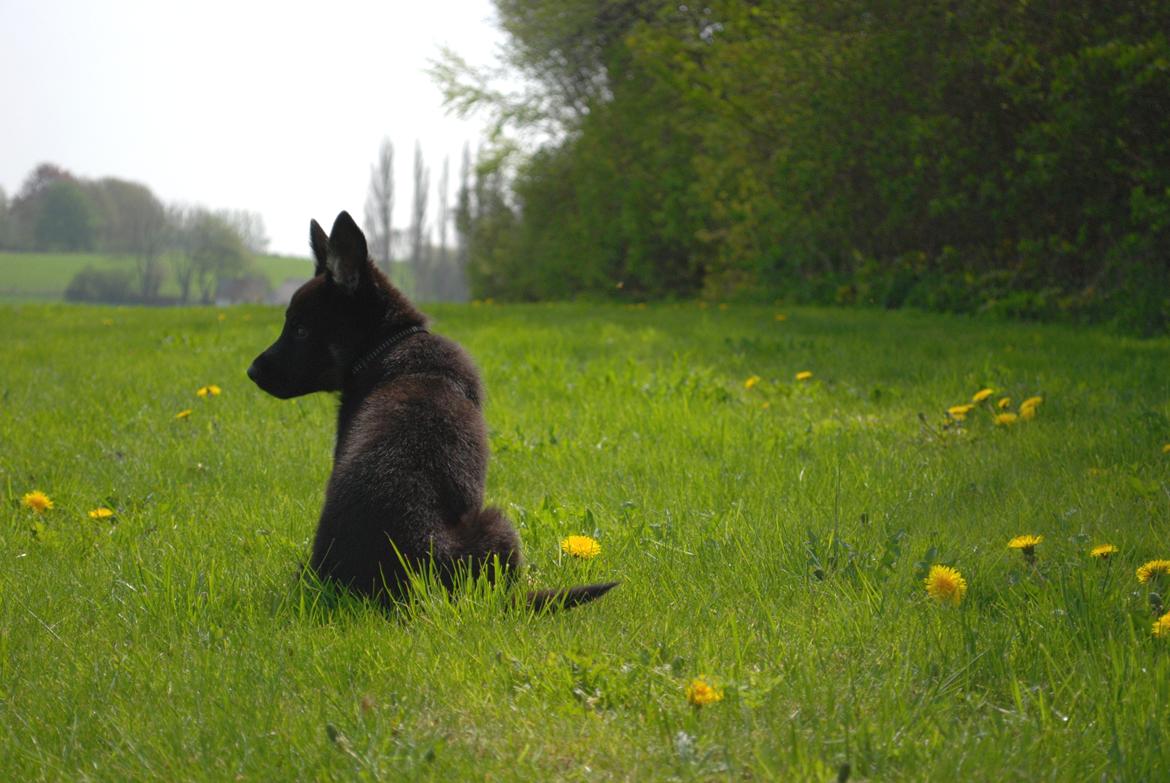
28,277
771,536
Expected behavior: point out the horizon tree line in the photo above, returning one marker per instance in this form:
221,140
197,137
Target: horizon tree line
419,257
204,249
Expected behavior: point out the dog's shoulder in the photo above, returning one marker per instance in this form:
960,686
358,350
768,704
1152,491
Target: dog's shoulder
434,354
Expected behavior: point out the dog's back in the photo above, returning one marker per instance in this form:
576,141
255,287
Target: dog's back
409,466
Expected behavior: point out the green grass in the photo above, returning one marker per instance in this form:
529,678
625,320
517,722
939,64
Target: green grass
176,642
44,276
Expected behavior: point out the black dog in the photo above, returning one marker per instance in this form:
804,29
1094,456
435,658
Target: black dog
406,492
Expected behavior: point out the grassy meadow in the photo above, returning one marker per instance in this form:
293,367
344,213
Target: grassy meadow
771,535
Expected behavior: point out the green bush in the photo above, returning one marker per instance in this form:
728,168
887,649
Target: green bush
109,286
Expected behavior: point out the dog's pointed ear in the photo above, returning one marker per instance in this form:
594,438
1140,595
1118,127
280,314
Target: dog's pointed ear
348,260
320,244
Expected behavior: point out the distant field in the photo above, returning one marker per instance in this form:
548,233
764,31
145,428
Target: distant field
771,535
30,277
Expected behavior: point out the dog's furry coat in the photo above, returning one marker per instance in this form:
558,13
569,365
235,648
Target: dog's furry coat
409,463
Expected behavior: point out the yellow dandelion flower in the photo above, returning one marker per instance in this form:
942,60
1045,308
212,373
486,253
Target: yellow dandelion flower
101,512
781,317
211,390
1025,542
36,500
1161,627
1153,570
1031,402
1027,545
580,546
945,585
221,317
959,411
1004,403
1006,419
701,693
804,375
1027,414
183,414
982,395
751,382
1166,448
1103,551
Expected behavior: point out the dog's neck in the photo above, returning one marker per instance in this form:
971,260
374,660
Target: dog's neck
364,361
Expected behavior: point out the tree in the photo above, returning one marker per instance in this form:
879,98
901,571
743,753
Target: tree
182,221
492,236
27,204
464,221
443,217
5,221
444,283
249,227
559,50
464,216
207,250
217,252
64,220
133,222
380,206
419,233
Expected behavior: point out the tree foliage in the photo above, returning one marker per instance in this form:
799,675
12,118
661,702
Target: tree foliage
988,155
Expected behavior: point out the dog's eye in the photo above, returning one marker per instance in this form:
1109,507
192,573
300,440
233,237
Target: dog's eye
301,332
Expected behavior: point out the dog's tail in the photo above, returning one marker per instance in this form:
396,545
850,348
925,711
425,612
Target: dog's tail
555,599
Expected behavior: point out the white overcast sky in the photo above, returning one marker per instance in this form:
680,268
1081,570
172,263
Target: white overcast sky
275,107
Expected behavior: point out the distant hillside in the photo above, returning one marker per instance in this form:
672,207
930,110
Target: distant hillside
44,276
